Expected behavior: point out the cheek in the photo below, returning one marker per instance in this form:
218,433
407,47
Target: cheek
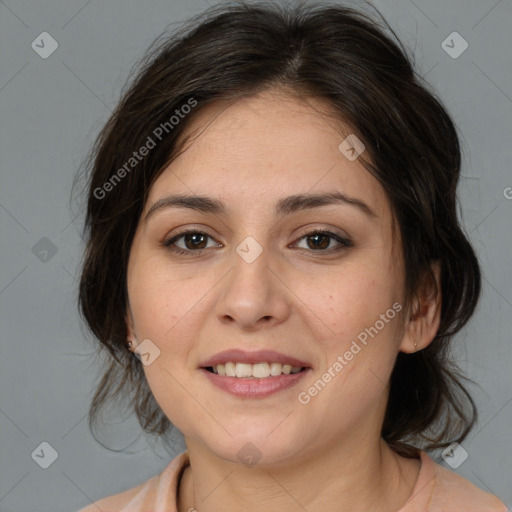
352,382
348,300
359,336
161,303
168,387
165,311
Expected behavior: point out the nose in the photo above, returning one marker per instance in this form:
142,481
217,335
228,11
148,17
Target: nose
253,295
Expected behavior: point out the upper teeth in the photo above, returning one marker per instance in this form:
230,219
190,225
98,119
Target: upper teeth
258,370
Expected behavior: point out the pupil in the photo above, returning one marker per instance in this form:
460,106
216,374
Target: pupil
324,237
192,236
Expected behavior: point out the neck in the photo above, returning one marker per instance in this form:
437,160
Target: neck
350,477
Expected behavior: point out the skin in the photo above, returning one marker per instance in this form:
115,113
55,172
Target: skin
293,298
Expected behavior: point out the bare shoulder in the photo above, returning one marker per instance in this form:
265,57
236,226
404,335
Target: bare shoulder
116,502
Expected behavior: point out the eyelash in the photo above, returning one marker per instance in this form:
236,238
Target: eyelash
344,242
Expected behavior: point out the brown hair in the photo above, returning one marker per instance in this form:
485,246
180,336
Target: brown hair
345,58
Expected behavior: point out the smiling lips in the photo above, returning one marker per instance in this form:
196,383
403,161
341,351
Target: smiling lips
254,371
253,374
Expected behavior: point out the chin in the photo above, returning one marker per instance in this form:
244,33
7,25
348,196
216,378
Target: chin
261,446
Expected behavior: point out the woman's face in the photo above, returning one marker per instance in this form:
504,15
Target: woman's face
261,283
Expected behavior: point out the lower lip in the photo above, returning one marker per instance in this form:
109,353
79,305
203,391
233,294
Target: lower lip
255,388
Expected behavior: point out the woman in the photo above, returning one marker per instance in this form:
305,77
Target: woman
275,266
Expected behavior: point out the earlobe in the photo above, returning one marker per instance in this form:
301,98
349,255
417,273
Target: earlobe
131,339
130,336
425,313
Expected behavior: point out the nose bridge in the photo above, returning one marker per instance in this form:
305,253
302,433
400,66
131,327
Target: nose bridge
251,291
250,277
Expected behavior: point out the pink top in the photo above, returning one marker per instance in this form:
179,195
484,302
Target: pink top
437,490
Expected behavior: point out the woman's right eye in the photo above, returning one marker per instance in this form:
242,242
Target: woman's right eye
193,239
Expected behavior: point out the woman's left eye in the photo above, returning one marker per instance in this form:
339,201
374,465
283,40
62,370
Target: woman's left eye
319,241
194,241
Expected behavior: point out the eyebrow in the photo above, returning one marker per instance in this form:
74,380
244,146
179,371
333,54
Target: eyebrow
284,206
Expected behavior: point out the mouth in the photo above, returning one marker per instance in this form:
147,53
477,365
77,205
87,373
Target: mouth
254,374
263,370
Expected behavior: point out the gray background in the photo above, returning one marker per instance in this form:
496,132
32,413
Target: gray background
50,111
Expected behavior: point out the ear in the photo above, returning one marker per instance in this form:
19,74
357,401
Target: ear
424,316
130,327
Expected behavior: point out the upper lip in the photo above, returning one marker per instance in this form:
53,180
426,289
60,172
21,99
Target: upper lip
259,356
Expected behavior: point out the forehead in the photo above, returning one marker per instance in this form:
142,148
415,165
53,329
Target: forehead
265,147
